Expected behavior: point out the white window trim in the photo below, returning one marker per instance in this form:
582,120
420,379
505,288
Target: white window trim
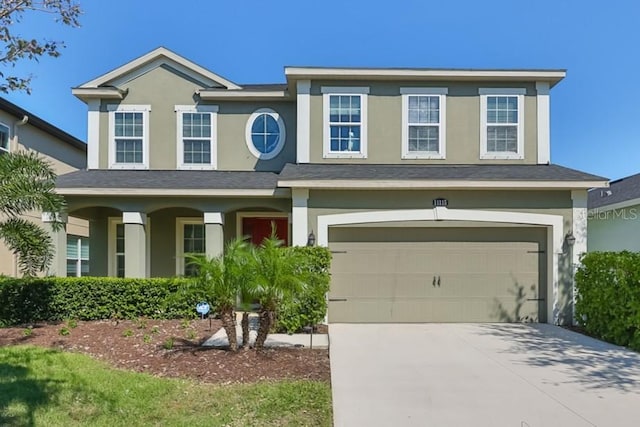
123,108
180,223
281,127
213,110
441,93
111,246
484,93
79,258
8,149
361,91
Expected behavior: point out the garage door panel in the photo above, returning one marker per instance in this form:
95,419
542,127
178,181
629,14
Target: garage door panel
436,281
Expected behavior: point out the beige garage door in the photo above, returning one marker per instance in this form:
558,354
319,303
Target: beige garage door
386,279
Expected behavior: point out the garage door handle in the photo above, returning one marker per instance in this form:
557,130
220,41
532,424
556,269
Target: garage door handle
438,281
337,299
535,299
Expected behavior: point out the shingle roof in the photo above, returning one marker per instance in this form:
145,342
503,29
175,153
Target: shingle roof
619,191
168,179
434,172
265,86
41,124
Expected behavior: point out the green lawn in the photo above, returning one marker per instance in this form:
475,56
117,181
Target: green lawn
44,387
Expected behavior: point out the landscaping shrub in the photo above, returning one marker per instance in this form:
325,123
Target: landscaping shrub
608,297
309,306
93,298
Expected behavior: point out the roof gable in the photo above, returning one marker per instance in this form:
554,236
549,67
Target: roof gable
160,57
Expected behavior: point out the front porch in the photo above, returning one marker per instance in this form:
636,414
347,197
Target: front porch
149,236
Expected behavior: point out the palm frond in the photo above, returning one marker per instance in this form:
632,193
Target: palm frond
27,183
30,242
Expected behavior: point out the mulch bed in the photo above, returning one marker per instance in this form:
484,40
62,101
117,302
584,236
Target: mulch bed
144,346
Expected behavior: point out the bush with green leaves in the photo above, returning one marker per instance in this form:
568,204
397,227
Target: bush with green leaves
29,300
608,297
309,306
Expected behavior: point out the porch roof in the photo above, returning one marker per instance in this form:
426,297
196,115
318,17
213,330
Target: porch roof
183,182
413,176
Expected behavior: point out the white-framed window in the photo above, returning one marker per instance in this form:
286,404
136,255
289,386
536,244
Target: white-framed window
129,136
196,137
502,123
5,141
190,239
345,122
77,256
424,122
265,134
116,247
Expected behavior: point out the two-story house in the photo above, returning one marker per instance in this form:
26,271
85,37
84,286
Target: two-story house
22,130
432,187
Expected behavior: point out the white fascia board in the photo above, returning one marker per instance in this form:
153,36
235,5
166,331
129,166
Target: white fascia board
176,192
99,93
372,73
428,184
154,55
242,94
619,205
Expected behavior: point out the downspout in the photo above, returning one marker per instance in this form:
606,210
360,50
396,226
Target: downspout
18,123
12,148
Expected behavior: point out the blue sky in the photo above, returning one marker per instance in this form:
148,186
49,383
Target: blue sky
595,111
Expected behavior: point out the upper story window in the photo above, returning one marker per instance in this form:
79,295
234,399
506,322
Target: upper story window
129,136
197,126
423,123
265,134
4,139
345,122
502,123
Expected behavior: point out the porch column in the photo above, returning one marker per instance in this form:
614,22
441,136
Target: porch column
58,266
214,233
135,244
300,220
579,219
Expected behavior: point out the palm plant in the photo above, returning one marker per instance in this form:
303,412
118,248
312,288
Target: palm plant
27,183
276,276
222,279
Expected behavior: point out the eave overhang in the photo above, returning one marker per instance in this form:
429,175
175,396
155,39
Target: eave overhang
439,184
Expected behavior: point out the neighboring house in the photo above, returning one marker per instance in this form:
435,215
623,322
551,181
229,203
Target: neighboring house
22,130
614,216
432,187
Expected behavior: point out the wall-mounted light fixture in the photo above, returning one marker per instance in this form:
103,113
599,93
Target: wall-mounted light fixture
570,239
311,240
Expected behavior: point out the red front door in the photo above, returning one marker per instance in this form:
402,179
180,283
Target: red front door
260,228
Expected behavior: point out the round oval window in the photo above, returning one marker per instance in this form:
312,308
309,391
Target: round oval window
265,134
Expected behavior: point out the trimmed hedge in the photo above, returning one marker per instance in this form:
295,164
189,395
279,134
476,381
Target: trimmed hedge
608,297
310,306
93,298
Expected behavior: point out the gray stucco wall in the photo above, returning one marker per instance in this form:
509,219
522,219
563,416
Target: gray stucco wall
385,122
163,89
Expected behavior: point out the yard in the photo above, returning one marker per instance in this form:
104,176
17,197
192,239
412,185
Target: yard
82,373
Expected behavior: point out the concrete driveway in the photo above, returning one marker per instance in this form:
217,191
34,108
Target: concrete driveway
480,375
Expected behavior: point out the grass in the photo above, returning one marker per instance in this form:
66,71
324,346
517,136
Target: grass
45,387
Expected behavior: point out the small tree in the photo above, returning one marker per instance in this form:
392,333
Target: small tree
27,183
15,47
276,276
222,280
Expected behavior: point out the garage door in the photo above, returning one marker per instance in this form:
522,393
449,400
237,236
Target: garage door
446,275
